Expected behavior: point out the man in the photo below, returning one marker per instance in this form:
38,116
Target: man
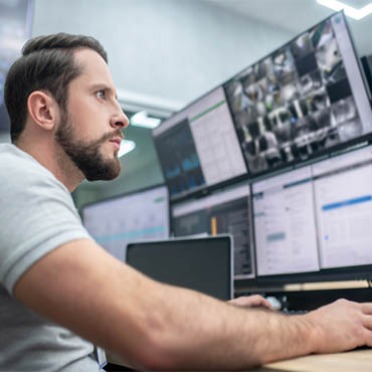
59,288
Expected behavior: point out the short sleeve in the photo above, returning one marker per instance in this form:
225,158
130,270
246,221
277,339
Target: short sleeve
37,216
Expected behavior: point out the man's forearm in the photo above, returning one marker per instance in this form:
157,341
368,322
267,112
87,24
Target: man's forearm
202,333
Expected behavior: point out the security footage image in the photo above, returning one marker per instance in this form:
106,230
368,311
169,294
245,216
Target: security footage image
294,103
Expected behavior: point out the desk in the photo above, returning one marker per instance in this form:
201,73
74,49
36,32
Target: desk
356,360
351,361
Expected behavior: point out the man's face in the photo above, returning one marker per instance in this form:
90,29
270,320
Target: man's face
90,129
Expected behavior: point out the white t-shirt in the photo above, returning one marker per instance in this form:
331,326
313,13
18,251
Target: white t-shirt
37,214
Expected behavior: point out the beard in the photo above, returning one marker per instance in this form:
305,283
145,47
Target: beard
86,154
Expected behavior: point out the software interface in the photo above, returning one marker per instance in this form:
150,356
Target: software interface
316,217
284,221
343,195
116,222
198,146
305,97
222,212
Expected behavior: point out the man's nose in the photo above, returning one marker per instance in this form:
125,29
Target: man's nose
120,120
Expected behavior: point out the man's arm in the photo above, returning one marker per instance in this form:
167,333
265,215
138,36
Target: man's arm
155,326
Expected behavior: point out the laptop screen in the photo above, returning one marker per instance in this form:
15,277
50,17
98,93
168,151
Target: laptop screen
202,264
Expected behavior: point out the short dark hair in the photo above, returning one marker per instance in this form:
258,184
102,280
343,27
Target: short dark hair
47,62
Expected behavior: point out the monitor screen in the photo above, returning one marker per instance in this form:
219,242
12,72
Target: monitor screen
284,223
222,212
343,196
303,100
15,29
202,264
113,223
198,147
314,223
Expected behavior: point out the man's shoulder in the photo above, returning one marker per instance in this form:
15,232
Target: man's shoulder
11,156
14,159
20,168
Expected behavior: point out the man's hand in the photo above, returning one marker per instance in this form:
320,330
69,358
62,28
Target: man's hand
342,325
251,301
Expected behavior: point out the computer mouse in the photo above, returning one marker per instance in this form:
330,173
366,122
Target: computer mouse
275,303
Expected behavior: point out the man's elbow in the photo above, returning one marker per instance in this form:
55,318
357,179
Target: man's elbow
149,357
154,347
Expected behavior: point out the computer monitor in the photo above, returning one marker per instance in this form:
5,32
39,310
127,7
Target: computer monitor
198,147
305,99
15,29
343,199
284,224
115,222
223,212
314,223
201,264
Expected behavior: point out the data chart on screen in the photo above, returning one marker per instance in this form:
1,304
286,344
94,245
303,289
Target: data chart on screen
198,147
114,223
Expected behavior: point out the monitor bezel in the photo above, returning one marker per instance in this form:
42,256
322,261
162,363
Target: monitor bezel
350,273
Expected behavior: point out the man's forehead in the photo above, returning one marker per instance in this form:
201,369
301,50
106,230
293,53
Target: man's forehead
89,59
93,65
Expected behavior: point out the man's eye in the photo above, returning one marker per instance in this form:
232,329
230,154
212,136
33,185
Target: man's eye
101,94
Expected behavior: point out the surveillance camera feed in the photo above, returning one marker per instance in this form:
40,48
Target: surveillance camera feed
304,99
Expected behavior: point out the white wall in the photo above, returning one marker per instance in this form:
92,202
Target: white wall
169,50
173,49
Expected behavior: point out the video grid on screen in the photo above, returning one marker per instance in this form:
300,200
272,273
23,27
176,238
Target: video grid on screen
305,97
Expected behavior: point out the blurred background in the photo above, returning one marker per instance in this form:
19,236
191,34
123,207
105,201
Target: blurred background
163,54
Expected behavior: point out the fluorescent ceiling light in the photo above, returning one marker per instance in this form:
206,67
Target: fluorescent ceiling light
126,146
349,10
140,119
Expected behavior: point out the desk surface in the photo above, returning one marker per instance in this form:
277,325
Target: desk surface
356,360
352,361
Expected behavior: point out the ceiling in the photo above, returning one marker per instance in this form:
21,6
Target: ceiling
298,15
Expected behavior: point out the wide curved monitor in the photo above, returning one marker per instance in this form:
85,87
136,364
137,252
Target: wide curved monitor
314,223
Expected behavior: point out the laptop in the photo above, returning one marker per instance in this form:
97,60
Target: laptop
204,264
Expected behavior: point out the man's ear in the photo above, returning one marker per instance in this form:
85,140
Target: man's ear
43,109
